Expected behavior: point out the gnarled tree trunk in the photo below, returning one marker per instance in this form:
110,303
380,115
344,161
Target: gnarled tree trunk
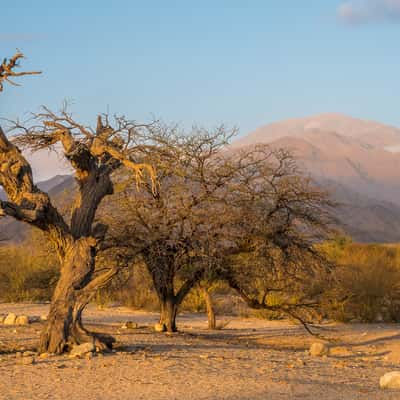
64,327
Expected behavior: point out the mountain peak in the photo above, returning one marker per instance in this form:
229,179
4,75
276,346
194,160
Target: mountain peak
370,133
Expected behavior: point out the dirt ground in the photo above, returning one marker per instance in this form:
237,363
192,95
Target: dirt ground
248,359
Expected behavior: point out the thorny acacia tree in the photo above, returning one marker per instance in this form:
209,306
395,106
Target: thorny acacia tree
94,155
275,263
173,224
211,204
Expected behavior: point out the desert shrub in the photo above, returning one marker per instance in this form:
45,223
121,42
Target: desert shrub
194,301
367,282
132,288
28,271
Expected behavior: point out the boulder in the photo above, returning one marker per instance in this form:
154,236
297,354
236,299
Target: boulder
319,349
22,320
82,349
391,380
10,319
27,360
159,328
129,325
28,354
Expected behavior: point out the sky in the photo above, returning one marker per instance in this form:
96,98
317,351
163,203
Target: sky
241,63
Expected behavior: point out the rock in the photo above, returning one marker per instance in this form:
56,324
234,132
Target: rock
129,325
10,319
391,380
28,354
159,328
43,317
300,362
319,349
2,318
22,320
82,349
27,360
44,355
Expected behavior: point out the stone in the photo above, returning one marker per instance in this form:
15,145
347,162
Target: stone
159,328
82,349
43,317
22,320
28,354
391,380
300,362
2,318
44,355
319,349
10,319
129,325
27,360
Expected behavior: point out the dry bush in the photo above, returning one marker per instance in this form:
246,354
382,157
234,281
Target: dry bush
28,271
367,284
131,288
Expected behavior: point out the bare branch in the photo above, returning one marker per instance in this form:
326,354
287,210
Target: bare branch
7,70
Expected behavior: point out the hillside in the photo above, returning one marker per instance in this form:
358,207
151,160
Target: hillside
56,186
355,159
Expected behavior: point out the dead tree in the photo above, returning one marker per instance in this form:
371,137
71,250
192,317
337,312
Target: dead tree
94,155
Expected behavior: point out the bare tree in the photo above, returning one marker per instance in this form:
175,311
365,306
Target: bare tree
94,155
276,263
173,225
207,206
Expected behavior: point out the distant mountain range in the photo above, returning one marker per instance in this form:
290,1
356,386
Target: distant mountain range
357,161
56,187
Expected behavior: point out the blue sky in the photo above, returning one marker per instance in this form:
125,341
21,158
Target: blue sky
243,63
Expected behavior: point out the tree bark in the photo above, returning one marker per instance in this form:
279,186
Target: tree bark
212,324
64,326
169,310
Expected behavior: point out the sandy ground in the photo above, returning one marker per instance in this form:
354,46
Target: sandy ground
249,359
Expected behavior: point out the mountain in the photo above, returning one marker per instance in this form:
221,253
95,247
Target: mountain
358,161
55,187
370,133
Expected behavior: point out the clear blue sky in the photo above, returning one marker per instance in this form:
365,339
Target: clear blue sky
243,63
